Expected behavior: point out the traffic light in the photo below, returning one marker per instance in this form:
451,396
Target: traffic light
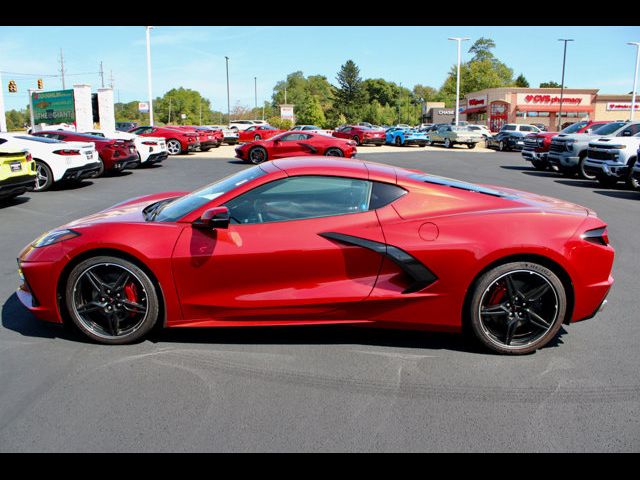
13,88
40,84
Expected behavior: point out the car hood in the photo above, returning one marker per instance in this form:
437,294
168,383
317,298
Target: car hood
129,211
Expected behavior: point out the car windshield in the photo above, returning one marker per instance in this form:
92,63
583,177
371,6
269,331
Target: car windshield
574,127
609,128
39,139
177,209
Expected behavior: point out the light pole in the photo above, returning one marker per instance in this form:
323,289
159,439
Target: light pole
459,40
635,78
149,76
564,59
228,102
255,87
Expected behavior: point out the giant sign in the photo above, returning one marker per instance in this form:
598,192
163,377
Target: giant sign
53,107
621,106
545,99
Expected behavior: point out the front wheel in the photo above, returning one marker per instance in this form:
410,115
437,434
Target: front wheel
174,147
447,143
501,146
257,155
356,139
44,177
517,308
111,300
582,173
471,145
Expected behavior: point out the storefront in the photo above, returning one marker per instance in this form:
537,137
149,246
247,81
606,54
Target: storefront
496,107
435,112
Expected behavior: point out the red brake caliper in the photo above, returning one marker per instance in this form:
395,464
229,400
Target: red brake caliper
497,295
131,293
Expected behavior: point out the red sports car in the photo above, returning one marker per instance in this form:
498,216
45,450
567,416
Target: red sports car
258,132
317,240
208,137
292,144
178,141
362,135
115,154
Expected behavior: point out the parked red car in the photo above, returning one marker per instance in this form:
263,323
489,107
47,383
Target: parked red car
361,134
536,145
116,154
258,132
178,141
208,137
292,144
318,240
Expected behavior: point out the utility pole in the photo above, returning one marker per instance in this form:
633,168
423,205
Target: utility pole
564,59
459,40
101,74
3,118
228,102
255,87
635,79
62,69
148,29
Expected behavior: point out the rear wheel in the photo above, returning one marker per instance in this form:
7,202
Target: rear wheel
447,143
517,308
501,146
257,137
398,141
632,183
356,139
44,177
111,300
471,145
334,152
257,155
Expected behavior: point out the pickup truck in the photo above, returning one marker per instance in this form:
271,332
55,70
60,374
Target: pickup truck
568,152
612,159
536,145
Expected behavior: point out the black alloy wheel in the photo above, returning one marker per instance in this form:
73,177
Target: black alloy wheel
517,308
334,152
257,155
111,300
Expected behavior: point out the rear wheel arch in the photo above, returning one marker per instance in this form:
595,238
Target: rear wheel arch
547,262
112,252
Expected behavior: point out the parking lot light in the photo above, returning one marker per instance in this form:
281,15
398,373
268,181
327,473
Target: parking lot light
148,29
459,40
564,59
635,78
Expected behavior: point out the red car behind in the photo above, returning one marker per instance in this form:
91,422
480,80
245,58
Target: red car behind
362,135
209,138
294,144
258,132
178,141
116,154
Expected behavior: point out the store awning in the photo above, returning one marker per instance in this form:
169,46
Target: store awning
554,108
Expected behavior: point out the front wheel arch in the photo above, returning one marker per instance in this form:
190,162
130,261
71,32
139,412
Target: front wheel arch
534,258
112,252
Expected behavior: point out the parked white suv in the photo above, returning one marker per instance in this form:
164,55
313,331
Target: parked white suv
481,129
244,124
520,127
611,159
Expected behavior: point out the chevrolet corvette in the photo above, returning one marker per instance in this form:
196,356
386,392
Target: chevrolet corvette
320,240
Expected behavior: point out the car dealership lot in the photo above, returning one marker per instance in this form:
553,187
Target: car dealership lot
319,388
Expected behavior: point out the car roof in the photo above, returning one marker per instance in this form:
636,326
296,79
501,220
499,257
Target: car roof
341,167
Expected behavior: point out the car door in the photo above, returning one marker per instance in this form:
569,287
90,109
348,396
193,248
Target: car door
293,144
276,257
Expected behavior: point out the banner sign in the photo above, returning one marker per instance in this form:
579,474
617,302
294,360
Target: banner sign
143,107
286,112
617,106
53,107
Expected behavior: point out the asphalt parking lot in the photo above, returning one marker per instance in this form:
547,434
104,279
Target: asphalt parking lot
319,388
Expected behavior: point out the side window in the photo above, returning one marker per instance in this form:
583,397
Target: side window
525,128
383,194
508,128
630,130
294,137
302,197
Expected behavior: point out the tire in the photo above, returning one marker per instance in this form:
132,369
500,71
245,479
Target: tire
174,147
124,304
447,143
501,146
539,165
257,155
606,181
397,142
334,152
257,137
44,177
357,140
100,172
518,320
581,172
471,145
632,183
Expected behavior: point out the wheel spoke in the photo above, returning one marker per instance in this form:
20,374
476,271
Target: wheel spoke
512,291
114,323
537,320
95,281
536,293
121,281
499,309
511,328
133,307
89,307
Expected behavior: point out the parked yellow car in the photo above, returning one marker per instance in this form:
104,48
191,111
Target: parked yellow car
17,172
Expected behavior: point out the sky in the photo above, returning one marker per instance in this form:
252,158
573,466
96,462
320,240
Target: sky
193,57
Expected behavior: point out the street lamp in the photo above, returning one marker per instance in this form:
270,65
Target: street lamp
149,76
635,78
459,40
564,59
255,90
228,103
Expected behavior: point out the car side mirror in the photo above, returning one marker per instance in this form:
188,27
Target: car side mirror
588,131
216,217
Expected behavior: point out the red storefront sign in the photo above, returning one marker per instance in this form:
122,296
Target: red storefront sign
551,99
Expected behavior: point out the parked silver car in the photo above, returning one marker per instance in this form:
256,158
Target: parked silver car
449,135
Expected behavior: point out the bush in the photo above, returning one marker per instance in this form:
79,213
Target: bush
280,123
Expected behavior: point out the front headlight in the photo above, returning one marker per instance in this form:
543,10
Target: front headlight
569,145
54,236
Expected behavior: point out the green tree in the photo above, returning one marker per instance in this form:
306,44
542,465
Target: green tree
481,49
550,84
177,101
351,96
521,81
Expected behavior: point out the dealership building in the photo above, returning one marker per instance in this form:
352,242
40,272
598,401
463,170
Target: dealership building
495,107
